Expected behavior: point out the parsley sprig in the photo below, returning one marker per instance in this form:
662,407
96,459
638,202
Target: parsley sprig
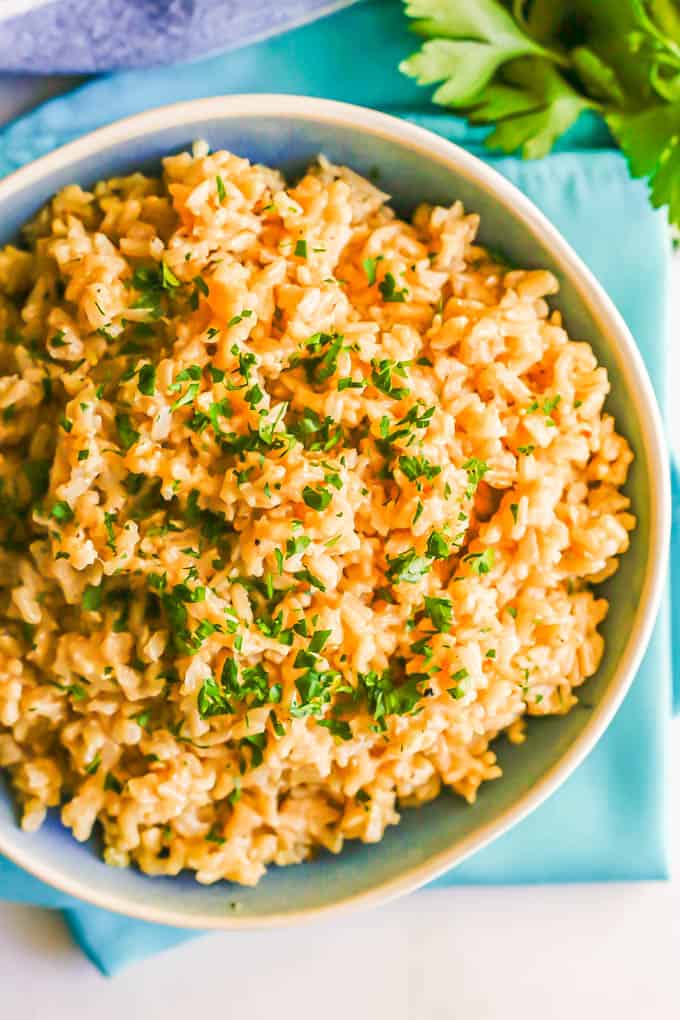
532,68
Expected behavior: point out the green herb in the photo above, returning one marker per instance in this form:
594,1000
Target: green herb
297,545
234,321
109,520
480,563
322,361
350,384
526,451
319,639
389,291
317,499
306,575
168,278
62,512
301,249
126,433
418,467
407,566
533,69
338,727
440,612
385,697
92,597
83,454
221,190
458,691
146,382
369,266
512,610
94,764
437,546
113,784
476,469
514,510
381,377
38,474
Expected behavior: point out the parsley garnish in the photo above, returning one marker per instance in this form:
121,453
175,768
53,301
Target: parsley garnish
388,289
458,691
440,611
381,377
92,597
126,433
317,499
338,727
418,467
437,546
480,563
146,382
370,266
476,469
407,566
62,512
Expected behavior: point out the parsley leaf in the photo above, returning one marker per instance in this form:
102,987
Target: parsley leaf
389,291
440,611
408,566
317,499
532,69
146,382
126,433
471,42
418,467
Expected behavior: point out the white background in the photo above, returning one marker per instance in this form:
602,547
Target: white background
540,953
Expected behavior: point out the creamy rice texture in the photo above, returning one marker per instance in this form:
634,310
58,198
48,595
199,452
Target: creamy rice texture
301,506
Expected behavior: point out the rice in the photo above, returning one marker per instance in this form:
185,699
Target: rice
302,506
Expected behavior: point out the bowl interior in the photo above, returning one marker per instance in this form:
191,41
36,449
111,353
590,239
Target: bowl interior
291,143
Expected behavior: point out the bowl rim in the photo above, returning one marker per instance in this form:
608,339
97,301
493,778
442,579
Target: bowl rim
590,293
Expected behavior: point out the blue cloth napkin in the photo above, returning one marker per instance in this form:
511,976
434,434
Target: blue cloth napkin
608,820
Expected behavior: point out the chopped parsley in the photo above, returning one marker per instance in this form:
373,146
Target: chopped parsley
381,377
146,381
92,597
476,469
127,434
418,467
316,498
408,567
369,266
62,512
389,291
440,612
480,563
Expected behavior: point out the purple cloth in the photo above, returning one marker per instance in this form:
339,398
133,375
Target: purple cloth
81,36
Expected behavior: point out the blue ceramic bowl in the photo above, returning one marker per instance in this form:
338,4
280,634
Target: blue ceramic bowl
288,132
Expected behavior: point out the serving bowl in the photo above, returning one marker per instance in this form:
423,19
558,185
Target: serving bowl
288,132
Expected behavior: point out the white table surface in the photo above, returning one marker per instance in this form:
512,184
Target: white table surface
539,953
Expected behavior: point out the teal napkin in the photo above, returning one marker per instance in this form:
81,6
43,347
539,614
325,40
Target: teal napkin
608,820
